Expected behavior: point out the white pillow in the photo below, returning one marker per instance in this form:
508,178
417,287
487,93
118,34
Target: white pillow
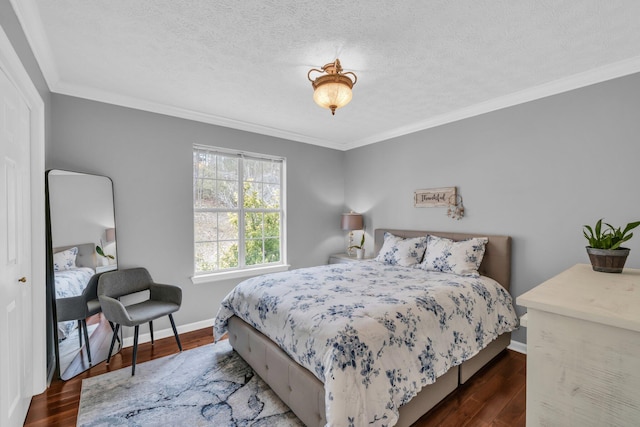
65,260
448,256
403,252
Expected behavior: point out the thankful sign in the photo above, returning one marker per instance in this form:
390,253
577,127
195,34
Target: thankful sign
434,197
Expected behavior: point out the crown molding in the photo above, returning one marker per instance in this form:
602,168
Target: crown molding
184,113
32,27
565,84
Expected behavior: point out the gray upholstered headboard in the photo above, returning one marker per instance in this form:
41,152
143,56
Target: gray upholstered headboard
497,257
86,254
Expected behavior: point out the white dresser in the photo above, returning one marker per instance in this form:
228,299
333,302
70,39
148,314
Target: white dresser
583,349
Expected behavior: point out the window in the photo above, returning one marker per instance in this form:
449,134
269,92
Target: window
238,210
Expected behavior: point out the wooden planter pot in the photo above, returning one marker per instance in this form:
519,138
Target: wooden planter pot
608,260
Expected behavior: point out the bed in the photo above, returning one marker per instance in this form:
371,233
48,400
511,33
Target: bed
329,374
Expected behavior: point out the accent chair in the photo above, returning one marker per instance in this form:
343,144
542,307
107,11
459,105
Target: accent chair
163,300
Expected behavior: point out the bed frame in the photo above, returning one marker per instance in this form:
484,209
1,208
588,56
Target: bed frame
304,393
86,254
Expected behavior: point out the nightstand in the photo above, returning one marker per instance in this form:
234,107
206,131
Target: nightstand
344,258
105,268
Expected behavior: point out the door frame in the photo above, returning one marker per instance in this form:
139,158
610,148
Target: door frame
11,65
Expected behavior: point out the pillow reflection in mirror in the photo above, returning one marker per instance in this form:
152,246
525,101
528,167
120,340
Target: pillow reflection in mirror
65,260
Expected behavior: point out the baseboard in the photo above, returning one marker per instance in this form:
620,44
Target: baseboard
51,370
164,333
518,346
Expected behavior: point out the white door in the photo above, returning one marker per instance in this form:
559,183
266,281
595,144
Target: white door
16,355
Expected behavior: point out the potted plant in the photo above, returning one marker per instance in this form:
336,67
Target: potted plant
604,250
359,248
105,257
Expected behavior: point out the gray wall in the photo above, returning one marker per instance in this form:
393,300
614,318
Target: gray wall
536,171
149,158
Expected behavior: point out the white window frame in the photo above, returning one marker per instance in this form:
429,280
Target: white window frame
242,270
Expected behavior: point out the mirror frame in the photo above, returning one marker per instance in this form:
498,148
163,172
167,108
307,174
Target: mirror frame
52,315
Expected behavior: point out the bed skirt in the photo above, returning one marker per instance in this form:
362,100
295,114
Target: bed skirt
304,393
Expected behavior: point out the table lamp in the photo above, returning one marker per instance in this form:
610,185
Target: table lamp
351,221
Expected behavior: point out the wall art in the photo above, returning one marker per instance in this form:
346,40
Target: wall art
434,197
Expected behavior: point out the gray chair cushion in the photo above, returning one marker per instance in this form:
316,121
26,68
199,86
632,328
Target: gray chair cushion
146,311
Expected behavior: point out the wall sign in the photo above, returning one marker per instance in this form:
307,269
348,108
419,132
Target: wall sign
434,197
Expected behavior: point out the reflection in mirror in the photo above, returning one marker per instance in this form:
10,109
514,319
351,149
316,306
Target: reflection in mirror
82,236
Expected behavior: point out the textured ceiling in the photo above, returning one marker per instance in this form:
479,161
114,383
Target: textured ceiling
243,64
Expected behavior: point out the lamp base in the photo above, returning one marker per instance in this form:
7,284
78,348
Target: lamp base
349,248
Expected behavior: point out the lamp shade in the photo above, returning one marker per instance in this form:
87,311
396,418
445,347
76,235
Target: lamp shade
332,95
352,221
110,235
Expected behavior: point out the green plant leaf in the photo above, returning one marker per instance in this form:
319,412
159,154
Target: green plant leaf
609,238
100,252
630,227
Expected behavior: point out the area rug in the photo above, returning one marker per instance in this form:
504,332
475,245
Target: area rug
207,386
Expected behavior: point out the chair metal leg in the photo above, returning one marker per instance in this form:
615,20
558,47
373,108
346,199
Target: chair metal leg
151,330
113,341
113,328
80,332
135,349
175,332
86,339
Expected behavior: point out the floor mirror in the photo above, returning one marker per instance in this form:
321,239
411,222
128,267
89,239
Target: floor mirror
81,246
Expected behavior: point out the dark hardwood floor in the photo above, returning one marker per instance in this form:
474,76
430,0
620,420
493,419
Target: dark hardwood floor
495,396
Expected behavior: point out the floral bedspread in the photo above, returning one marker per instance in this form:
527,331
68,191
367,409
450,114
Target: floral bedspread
71,283
374,334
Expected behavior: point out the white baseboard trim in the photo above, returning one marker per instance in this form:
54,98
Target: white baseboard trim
164,333
518,346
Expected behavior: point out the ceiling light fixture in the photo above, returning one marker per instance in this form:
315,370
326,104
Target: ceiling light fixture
333,89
